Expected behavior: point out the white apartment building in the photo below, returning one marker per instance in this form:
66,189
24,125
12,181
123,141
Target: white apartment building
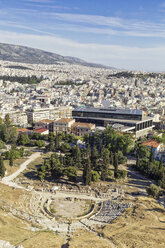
55,113
63,125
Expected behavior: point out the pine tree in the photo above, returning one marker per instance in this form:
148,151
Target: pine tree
2,167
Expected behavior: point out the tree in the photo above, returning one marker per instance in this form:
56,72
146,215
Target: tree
161,162
161,182
2,144
88,151
121,174
57,143
87,171
86,139
94,158
97,140
151,155
111,157
1,121
57,170
21,152
65,147
95,176
115,165
4,134
137,162
13,135
7,120
50,147
11,161
121,158
71,173
40,143
142,151
23,139
2,167
76,155
153,191
105,163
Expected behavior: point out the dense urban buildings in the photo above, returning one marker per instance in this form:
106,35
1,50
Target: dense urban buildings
128,119
63,87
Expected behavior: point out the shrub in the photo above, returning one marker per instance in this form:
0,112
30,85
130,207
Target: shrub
121,174
95,176
153,191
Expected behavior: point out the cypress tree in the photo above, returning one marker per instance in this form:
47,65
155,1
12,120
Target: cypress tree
11,161
94,158
88,151
111,157
57,143
138,162
2,167
161,162
105,163
151,155
87,172
115,165
77,156
61,160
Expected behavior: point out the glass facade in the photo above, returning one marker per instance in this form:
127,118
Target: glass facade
107,115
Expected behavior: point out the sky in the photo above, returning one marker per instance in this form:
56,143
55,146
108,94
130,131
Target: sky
126,34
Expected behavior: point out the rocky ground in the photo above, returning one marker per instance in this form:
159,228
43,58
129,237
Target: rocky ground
124,219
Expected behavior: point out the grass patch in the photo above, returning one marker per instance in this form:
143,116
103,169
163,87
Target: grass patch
15,167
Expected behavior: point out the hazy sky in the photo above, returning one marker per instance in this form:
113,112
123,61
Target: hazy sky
126,34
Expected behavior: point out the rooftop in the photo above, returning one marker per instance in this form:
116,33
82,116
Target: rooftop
151,143
40,130
45,121
22,130
81,124
110,110
64,120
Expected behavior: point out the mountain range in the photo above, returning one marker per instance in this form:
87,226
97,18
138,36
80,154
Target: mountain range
22,54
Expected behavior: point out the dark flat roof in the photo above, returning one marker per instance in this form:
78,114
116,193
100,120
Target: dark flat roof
110,110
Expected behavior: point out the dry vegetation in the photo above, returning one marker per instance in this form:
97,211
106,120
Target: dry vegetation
12,169
141,226
85,239
16,232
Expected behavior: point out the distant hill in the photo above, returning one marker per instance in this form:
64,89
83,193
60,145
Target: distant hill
29,55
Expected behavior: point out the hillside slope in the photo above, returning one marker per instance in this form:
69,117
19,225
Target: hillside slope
29,55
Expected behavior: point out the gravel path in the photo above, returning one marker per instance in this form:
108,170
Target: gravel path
8,180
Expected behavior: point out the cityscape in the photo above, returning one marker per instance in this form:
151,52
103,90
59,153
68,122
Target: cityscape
82,124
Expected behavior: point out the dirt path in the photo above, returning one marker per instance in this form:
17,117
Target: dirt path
8,180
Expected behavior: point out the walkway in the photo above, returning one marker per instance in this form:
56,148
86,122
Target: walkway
8,180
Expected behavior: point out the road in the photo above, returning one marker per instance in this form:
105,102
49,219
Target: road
8,179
